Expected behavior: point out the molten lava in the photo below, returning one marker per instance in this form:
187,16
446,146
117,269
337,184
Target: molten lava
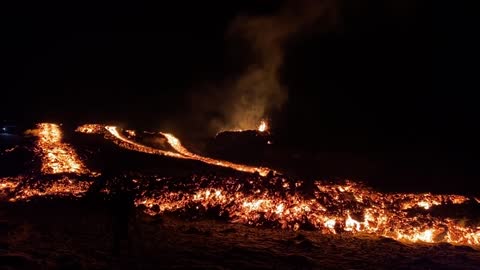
175,143
57,157
263,126
331,208
7,184
134,146
63,187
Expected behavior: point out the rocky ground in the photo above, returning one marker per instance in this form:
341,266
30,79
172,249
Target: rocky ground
77,234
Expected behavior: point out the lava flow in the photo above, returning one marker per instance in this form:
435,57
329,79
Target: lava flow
278,201
330,208
57,157
131,145
175,143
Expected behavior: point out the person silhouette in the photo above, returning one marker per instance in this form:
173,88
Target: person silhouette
123,212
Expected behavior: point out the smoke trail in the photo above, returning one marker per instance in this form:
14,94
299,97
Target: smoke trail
259,90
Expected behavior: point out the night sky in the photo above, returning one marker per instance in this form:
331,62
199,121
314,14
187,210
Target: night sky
391,76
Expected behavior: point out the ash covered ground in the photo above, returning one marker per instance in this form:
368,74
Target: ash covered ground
56,226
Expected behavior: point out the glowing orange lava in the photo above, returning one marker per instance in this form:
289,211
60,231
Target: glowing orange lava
91,128
57,187
7,184
175,143
57,157
131,145
263,126
331,210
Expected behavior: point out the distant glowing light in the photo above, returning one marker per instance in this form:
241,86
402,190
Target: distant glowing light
263,126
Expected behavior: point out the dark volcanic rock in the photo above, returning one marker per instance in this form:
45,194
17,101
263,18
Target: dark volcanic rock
3,246
299,261
229,230
193,230
68,262
239,145
300,237
16,261
305,244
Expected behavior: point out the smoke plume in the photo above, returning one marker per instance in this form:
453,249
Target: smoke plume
259,90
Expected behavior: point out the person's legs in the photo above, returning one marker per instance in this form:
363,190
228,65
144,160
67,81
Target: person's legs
116,238
120,230
133,231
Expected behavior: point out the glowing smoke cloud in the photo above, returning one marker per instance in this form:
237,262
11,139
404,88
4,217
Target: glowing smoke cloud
259,91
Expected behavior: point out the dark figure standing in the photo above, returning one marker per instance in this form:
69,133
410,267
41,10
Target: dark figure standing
123,212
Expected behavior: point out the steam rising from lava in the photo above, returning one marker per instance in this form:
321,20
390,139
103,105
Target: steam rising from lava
258,91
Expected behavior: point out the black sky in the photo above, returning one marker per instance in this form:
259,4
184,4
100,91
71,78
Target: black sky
391,75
